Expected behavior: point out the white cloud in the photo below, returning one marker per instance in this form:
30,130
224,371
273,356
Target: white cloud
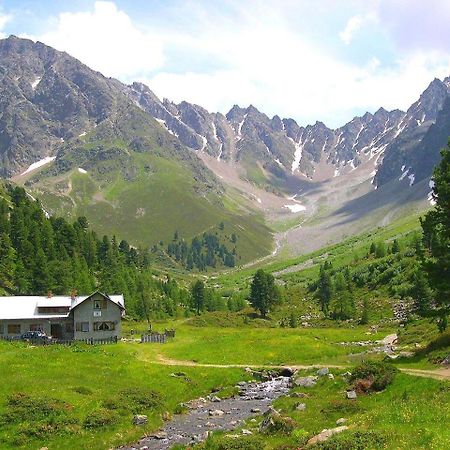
256,56
354,24
106,40
281,73
4,19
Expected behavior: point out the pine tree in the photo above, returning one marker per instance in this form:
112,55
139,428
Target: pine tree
263,292
198,296
324,289
7,263
436,231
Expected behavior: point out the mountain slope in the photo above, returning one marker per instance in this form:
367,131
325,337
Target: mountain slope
91,151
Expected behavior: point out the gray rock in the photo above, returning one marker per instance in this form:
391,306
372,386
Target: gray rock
351,395
341,421
140,419
326,434
216,413
159,435
300,406
255,410
216,399
305,381
323,371
246,432
331,376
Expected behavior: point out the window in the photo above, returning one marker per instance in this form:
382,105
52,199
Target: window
83,326
36,327
13,328
53,309
100,304
104,326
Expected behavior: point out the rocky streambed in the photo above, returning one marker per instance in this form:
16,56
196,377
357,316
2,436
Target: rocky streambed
213,414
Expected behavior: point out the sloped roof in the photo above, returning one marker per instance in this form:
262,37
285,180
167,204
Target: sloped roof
26,306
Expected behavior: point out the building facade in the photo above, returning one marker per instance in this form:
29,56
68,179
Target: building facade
96,316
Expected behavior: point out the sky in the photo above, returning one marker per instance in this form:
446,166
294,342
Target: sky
325,60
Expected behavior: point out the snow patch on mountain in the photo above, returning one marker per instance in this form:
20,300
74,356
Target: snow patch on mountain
35,83
295,208
40,163
297,154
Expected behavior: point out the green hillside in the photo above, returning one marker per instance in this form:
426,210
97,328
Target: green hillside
131,179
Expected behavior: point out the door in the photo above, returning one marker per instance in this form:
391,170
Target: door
56,330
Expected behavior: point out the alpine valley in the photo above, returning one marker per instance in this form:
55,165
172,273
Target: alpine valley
142,169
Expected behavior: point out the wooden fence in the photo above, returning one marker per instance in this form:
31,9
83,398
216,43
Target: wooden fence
158,338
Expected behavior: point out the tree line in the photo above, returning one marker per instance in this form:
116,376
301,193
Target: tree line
203,252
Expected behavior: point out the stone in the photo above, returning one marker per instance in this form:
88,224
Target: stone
216,413
323,371
143,448
306,381
246,432
326,434
216,399
270,410
248,370
160,435
299,395
140,419
255,410
253,420
351,395
300,406
341,421
331,376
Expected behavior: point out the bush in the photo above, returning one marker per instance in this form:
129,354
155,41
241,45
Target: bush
277,424
138,399
241,443
379,374
100,418
342,407
358,440
83,390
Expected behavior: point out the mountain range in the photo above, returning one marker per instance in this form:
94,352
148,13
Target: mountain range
141,167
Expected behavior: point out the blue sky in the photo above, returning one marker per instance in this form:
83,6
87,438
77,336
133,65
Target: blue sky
325,60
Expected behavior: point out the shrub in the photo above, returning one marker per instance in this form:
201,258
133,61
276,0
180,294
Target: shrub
358,440
379,374
100,418
277,424
112,404
138,399
83,390
241,443
342,407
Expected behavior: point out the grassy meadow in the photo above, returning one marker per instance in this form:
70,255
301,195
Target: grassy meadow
84,397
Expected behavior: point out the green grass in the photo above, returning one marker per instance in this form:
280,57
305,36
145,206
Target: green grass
148,202
410,413
87,385
256,346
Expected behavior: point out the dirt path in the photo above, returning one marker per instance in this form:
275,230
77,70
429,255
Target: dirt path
438,374
163,360
442,374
